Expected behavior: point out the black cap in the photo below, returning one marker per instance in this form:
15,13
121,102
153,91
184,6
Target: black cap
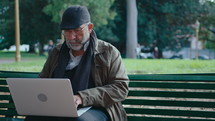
74,17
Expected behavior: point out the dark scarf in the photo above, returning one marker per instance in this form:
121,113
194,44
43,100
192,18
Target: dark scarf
80,80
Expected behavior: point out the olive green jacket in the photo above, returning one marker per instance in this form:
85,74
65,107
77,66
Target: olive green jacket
109,75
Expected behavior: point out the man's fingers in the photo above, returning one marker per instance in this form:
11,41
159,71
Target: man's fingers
77,100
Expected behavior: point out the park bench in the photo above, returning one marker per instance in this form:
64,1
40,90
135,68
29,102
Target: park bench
155,97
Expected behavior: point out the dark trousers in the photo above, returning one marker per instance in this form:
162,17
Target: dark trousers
91,115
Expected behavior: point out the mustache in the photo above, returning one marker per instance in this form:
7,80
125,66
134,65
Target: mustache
78,41
74,41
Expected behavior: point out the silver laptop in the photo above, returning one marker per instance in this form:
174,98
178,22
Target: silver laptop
44,97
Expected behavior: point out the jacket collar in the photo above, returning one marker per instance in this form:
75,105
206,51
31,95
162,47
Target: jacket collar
98,49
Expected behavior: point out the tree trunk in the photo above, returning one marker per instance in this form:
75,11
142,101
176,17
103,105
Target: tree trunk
131,43
31,48
41,50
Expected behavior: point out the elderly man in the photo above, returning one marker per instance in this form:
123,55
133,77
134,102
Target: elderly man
94,67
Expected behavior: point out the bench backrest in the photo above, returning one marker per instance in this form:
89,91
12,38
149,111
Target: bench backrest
151,97
7,107
171,98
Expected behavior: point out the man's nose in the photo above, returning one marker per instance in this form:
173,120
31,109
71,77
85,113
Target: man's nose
72,36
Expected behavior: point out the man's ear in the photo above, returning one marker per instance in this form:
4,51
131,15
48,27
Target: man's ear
90,27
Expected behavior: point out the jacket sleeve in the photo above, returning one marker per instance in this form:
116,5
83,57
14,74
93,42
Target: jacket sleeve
49,64
115,88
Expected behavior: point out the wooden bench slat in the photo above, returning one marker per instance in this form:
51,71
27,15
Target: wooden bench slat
11,74
5,97
170,77
4,89
10,119
138,118
7,105
3,82
205,95
8,112
172,85
171,112
169,103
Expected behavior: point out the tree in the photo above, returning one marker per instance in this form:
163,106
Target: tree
207,24
167,22
102,15
131,43
99,9
164,20
6,21
36,26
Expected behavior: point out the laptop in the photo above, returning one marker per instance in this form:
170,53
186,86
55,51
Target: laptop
44,97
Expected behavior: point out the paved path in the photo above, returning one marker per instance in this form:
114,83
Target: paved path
3,61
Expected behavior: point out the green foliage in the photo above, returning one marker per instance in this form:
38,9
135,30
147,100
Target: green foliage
208,22
6,21
167,21
163,20
115,31
99,9
36,26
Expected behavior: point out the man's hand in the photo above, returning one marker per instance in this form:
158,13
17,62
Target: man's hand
78,100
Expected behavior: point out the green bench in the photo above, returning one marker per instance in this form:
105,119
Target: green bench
167,97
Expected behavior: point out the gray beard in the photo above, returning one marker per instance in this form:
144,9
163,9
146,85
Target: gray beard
80,46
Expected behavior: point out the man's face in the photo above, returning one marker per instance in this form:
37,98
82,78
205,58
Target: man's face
76,38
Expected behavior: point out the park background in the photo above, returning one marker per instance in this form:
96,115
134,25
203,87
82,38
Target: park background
153,36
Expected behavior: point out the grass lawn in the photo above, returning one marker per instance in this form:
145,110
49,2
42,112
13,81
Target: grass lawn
34,63
167,66
30,62
24,55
